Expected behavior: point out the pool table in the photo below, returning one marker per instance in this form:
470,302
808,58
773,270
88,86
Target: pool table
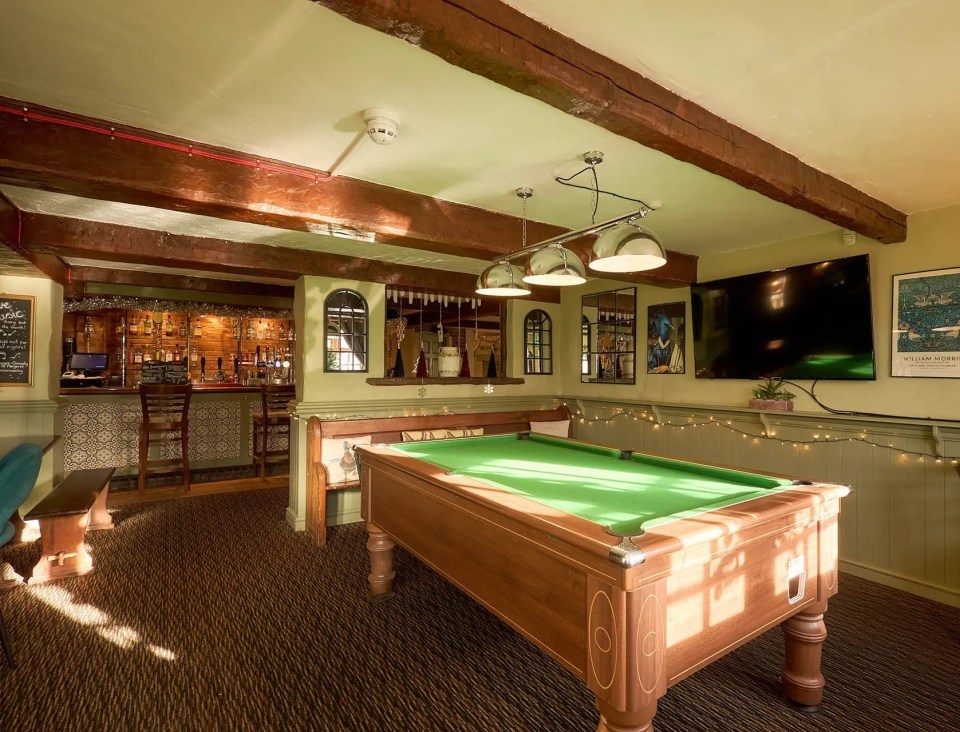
632,570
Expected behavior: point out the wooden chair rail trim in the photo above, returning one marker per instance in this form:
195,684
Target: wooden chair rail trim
390,429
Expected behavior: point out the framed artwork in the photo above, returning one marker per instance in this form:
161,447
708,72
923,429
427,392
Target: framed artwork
666,337
926,324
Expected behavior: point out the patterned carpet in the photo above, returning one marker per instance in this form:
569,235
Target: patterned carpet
209,613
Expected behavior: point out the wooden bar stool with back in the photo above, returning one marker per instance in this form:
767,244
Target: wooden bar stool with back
272,420
165,420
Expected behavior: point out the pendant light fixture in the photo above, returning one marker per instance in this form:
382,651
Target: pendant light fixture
623,246
627,247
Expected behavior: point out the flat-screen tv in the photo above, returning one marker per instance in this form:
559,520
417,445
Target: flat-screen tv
88,362
807,322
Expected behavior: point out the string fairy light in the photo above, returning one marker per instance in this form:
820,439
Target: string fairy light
818,437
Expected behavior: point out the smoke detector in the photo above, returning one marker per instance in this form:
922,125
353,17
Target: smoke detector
381,125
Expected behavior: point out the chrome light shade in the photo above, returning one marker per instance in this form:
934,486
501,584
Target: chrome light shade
627,247
556,266
502,280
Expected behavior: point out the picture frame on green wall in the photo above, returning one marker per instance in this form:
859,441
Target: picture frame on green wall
926,324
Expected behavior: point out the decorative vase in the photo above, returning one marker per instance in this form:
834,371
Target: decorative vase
422,365
449,361
398,370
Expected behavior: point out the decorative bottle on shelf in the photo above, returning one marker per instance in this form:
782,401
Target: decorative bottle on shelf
168,327
138,356
148,326
197,328
281,334
183,328
134,326
120,327
146,357
193,355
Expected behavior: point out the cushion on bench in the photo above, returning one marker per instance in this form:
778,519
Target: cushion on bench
557,428
336,454
440,434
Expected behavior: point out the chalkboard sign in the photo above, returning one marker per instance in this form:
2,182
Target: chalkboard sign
16,339
163,372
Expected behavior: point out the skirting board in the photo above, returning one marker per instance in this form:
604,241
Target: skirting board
946,595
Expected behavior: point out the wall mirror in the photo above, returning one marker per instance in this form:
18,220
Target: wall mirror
608,337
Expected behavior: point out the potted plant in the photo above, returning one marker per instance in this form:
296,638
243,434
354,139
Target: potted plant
772,394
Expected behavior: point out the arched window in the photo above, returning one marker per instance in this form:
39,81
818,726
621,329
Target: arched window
538,343
346,345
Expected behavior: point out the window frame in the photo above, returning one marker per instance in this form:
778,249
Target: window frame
533,333
364,313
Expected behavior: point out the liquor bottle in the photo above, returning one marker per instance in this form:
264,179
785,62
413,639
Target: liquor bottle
291,336
168,327
183,329
193,355
148,326
134,326
176,354
197,329
132,356
281,334
144,356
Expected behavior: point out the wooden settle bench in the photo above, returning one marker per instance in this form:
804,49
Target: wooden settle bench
387,430
77,504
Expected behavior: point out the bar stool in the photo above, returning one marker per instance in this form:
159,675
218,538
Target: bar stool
165,409
272,420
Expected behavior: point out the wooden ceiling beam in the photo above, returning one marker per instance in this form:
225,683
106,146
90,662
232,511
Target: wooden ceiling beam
493,40
140,278
66,153
10,234
44,234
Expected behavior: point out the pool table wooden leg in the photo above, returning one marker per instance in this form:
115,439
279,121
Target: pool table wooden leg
803,636
613,720
381,575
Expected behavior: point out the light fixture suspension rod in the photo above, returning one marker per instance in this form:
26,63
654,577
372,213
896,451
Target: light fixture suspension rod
571,235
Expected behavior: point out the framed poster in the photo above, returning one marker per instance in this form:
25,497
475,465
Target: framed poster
666,337
926,324
16,339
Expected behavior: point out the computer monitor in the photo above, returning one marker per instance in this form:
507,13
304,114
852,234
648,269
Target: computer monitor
88,362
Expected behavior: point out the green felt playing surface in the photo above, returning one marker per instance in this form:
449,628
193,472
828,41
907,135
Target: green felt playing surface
594,482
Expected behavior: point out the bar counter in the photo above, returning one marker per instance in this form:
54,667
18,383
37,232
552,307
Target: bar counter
102,424
210,388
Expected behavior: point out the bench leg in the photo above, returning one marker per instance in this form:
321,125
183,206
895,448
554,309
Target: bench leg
99,517
64,554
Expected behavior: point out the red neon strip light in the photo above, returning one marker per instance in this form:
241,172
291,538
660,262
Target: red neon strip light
176,147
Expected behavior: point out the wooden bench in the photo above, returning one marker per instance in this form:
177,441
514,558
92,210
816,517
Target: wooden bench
76,505
391,429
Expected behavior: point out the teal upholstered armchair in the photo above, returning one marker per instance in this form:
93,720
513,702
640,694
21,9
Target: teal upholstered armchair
18,474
